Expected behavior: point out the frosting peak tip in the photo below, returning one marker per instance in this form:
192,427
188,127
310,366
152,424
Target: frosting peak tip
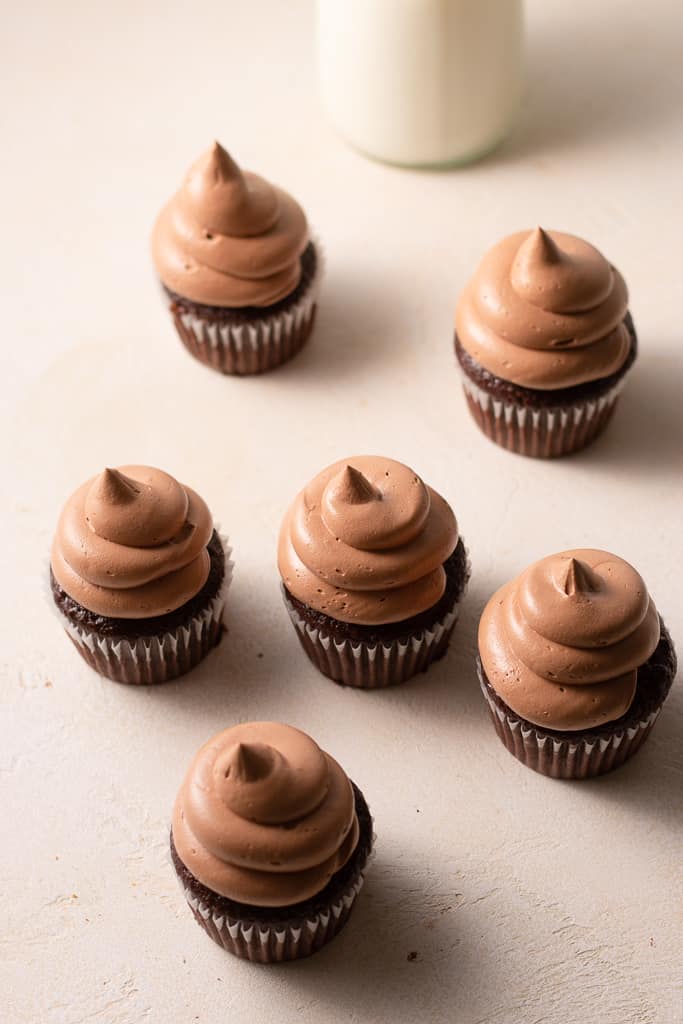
355,488
580,579
249,762
222,164
540,246
115,488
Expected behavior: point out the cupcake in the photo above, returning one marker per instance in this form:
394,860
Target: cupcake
544,340
269,841
138,575
574,663
373,570
238,269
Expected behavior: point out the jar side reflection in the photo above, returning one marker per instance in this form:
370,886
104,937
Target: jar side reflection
421,82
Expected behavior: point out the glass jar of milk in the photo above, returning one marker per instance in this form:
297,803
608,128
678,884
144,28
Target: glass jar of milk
421,82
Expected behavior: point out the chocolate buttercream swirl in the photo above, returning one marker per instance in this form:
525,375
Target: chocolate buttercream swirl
229,238
562,643
545,310
131,543
264,816
365,542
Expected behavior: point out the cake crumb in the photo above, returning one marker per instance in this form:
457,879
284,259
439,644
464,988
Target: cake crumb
412,956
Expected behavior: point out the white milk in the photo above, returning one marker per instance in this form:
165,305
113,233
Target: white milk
421,82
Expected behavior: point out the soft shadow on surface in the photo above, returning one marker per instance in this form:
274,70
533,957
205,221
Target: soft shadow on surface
646,434
244,676
259,668
449,689
358,327
401,954
239,678
580,91
651,782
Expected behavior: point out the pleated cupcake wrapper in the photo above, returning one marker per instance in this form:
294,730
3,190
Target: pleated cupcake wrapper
373,666
275,943
540,432
577,757
257,346
146,660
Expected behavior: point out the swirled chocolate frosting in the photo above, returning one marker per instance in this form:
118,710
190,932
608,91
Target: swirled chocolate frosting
365,542
229,238
264,816
562,643
131,543
545,310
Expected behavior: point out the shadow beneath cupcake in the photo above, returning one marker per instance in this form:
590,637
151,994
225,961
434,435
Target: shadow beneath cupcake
258,671
449,688
242,678
646,436
358,326
403,953
580,92
649,786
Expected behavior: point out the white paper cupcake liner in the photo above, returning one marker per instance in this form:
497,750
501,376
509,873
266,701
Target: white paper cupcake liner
254,347
147,660
276,943
576,757
374,666
542,433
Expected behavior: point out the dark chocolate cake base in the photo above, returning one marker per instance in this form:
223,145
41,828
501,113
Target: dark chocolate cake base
543,424
589,752
249,340
152,650
371,657
275,934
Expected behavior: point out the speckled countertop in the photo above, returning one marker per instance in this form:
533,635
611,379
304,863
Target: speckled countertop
496,896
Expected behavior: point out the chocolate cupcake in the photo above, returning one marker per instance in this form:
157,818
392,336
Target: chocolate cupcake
269,841
574,663
544,340
238,268
139,575
373,571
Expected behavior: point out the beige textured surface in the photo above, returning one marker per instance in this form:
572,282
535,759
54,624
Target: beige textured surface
524,900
